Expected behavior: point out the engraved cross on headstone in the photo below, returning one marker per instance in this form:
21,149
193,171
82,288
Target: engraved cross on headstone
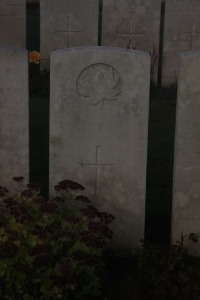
131,33
96,164
69,30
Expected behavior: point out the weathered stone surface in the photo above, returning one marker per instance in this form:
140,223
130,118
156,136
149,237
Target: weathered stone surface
133,24
14,124
13,23
68,23
98,131
181,33
186,191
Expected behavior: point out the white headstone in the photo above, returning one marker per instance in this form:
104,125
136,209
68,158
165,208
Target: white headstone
181,34
133,24
98,131
14,120
13,23
67,23
186,190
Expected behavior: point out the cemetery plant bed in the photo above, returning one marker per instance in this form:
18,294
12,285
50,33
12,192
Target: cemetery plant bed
93,120
55,249
51,249
149,272
154,272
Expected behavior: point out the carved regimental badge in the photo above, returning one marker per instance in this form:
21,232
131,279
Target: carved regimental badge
99,83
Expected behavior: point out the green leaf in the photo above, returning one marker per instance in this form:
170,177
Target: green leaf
193,237
32,240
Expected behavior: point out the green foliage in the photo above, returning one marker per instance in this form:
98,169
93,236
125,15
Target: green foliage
170,274
154,272
51,249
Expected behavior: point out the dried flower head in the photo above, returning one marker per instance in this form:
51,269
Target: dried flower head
83,199
3,191
18,179
68,185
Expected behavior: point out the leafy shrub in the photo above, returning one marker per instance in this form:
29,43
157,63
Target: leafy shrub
171,274
51,249
154,272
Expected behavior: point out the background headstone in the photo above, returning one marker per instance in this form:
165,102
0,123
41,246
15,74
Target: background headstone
67,23
98,131
133,24
186,190
14,124
181,34
13,23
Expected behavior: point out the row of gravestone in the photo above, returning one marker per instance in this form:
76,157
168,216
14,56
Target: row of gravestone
99,100
134,24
